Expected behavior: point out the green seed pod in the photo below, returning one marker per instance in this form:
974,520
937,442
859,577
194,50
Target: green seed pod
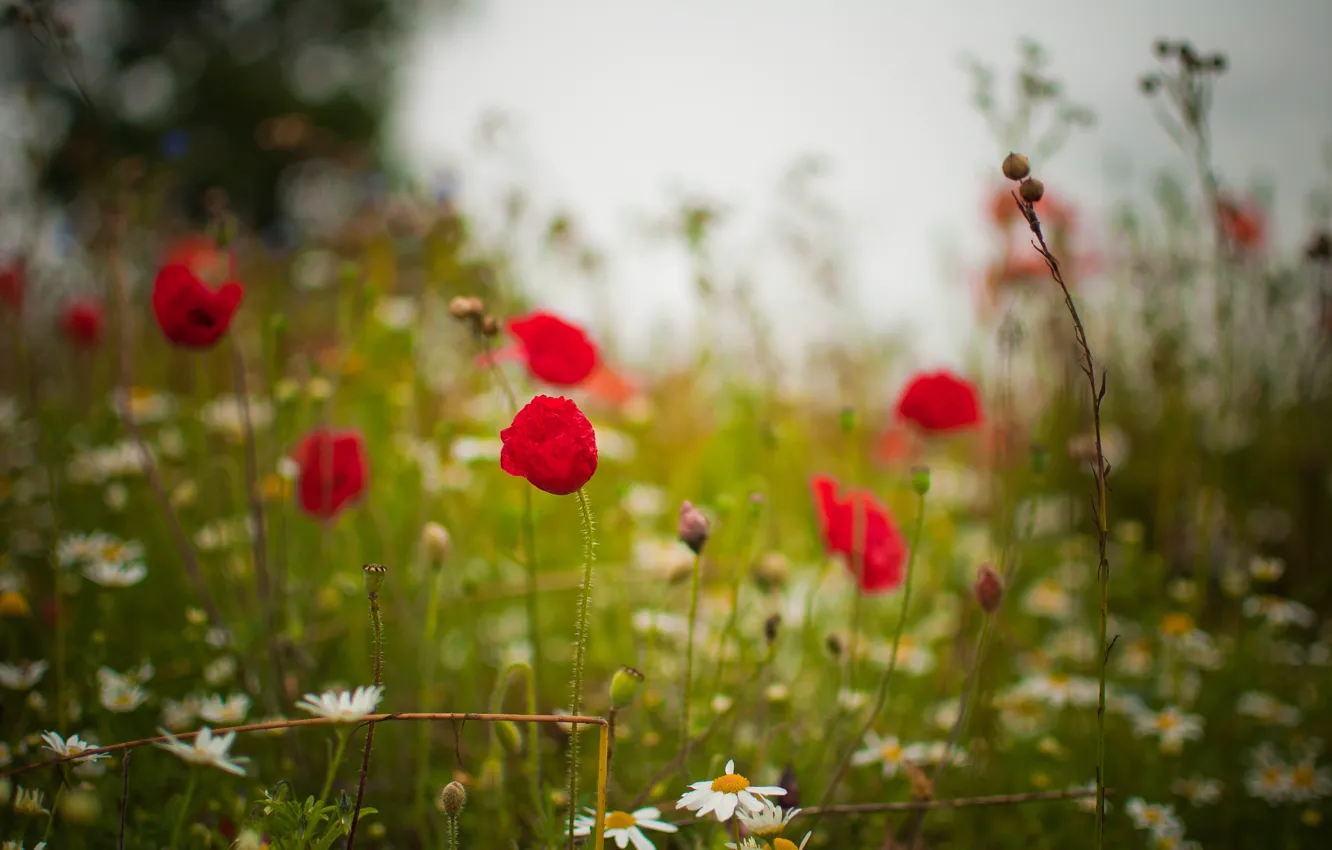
624,687
509,737
920,480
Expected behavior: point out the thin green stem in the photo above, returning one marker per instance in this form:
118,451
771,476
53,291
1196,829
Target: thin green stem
342,733
427,685
55,804
882,696
580,653
689,655
185,802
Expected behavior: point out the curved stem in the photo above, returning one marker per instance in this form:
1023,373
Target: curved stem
689,656
184,807
882,696
580,653
342,733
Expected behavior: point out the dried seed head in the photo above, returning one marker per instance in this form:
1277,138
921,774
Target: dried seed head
1319,248
452,798
1163,48
374,578
1016,167
490,326
1031,190
834,644
624,687
989,589
692,527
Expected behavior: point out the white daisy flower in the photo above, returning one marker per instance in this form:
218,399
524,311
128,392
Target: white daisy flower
1269,777
1048,598
28,802
178,716
1171,725
143,404
768,821
343,706
396,312
1157,818
723,795
226,416
1060,689
206,749
71,747
225,712
1267,708
887,752
99,547
1198,790
625,827
219,670
1266,568
22,676
1279,612
120,693
1308,781
109,574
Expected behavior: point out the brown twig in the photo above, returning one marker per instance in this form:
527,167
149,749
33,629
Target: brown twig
274,725
123,381
955,803
1088,366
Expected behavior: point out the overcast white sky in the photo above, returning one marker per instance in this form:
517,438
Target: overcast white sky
616,103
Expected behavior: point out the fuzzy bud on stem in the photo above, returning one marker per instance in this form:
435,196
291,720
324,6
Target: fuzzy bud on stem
693,527
624,687
452,798
989,589
920,480
435,542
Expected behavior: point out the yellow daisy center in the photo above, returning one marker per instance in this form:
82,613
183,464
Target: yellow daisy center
1271,776
1176,624
1059,680
783,844
890,752
731,783
620,820
1166,721
1302,776
1151,816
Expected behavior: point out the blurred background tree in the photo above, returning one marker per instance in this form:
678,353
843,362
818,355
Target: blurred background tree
232,92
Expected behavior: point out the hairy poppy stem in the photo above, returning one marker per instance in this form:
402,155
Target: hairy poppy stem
374,578
580,654
882,696
689,656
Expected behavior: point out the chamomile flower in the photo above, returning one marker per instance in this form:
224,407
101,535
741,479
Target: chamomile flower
1267,708
1060,689
1198,790
206,749
1279,612
1269,777
226,416
22,676
225,712
767,822
109,574
1266,568
1049,599
1157,818
723,795
28,802
1171,725
75,550
178,715
70,747
119,693
1308,781
343,706
625,827
887,752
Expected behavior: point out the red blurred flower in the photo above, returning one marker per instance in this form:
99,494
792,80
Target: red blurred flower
333,471
1242,223
191,314
939,402
898,445
82,321
12,279
881,549
556,352
551,444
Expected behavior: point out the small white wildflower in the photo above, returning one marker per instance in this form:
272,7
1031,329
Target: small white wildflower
206,749
70,747
625,828
22,676
225,712
723,795
343,706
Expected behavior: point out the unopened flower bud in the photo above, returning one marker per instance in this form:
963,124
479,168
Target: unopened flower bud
846,418
834,644
1016,167
435,542
509,737
490,326
374,578
920,480
771,570
466,307
1031,190
693,527
452,798
771,626
989,589
624,687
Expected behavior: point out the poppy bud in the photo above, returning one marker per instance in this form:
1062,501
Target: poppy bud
435,542
1016,167
1031,190
846,418
507,732
989,589
692,527
374,578
452,798
1040,459
770,627
920,480
624,687
834,644
490,326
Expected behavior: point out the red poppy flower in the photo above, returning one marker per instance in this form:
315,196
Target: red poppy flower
11,284
333,471
1242,224
938,402
82,322
881,550
551,444
556,352
898,445
189,313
